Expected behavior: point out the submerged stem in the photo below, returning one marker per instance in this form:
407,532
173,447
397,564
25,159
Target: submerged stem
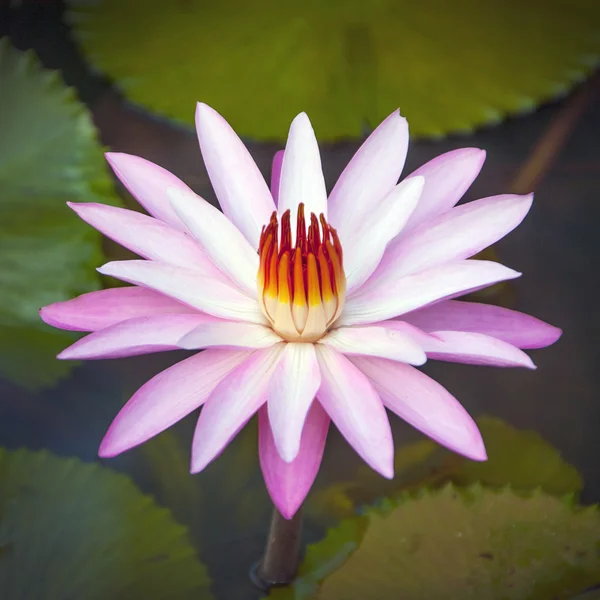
280,561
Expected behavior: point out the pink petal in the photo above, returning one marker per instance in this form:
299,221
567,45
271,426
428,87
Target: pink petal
230,334
364,250
371,173
97,310
143,335
425,404
168,397
222,241
447,178
516,328
231,404
147,237
376,341
457,234
202,293
301,173
389,297
356,409
238,184
276,174
289,483
147,183
475,349
291,392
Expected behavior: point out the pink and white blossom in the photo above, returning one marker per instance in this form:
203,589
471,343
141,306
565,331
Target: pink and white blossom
308,309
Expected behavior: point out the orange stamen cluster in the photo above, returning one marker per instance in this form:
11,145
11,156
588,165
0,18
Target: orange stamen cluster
301,287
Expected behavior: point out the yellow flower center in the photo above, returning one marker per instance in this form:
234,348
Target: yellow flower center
301,288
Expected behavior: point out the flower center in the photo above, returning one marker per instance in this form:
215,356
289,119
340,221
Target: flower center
301,288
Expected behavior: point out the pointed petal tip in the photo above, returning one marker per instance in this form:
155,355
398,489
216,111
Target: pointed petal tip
416,181
302,116
204,111
554,334
198,464
302,121
286,505
420,361
108,448
288,512
185,343
116,158
106,453
396,114
474,449
388,471
477,154
478,453
528,363
288,451
65,355
46,315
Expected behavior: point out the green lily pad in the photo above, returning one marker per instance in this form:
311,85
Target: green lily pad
450,543
72,530
520,458
49,154
225,508
450,66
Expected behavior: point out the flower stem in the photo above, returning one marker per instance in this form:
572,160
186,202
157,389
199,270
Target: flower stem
279,563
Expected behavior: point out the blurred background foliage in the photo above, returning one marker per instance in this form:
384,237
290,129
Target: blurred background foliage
49,155
507,528
449,66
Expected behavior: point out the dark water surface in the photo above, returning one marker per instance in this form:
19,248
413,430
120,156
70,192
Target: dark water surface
557,248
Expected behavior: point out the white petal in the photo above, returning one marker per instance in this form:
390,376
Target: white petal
229,334
100,309
371,173
291,392
389,298
447,178
146,236
474,349
516,328
240,188
457,234
168,397
425,404
133,337
301,173
376,341
219,237
356,409
205,294
147,183
364,250
231,404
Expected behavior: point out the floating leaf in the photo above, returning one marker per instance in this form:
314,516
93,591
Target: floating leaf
450,66
520,458
69,529
470,544
225,508
49,154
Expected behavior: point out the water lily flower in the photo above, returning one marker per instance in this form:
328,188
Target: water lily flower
309,308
